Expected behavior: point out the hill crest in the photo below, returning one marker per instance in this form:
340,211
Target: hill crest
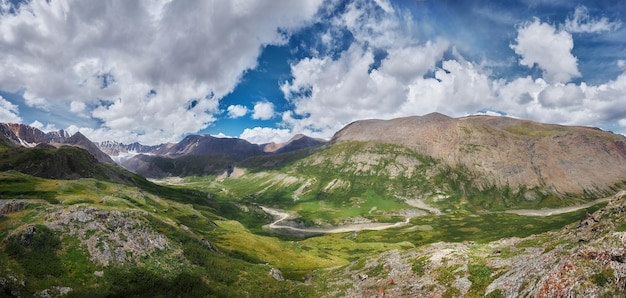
508,151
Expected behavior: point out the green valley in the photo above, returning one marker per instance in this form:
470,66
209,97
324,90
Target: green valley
341,219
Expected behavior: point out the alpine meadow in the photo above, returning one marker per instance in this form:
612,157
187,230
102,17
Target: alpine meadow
318,148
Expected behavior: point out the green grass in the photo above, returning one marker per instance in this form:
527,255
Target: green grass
481,276
604,277
481,228
203,214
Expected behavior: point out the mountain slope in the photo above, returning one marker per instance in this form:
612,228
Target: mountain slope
111,240
65,162
507,151
79,140
586,258
297,142
28,136
198,155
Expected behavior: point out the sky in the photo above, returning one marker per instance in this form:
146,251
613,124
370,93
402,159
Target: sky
264,70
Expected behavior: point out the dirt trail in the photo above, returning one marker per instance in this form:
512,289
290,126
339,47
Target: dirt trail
419,203
555,211
281,215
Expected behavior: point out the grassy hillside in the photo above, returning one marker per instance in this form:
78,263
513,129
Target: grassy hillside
376,182
77,235
208,235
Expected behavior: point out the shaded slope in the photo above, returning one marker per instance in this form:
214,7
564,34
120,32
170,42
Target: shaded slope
28,136
65,162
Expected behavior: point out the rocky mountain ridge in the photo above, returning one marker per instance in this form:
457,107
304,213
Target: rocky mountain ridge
507,151
196,154
28,136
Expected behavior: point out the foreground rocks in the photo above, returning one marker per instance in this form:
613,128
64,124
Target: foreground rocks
586,259
111,237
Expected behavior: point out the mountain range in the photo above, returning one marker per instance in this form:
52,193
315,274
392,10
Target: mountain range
418,206
498,150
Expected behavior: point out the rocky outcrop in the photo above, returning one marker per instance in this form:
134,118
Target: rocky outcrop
277,274
507,151
10,206
111,237
585,259
28,136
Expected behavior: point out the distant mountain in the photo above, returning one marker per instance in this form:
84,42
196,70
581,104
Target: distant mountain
7,137
79,140
195,154
208,145
507,151
28,136
113,148
297,142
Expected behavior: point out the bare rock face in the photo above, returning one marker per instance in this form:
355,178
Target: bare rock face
277,274
7,206
111,237
507,151
552,264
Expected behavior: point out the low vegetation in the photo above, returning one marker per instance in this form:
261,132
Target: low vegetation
217,242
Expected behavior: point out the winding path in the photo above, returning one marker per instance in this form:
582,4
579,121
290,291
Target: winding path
281,216
555,211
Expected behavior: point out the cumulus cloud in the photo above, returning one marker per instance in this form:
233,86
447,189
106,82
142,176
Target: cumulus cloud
77,106
44,128
550,49
581,22
329,92
372,22
9,113
236,111
263,110
135,65
559,96
263,135
332,93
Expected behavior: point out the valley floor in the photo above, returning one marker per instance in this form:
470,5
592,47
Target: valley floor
282,215
556,211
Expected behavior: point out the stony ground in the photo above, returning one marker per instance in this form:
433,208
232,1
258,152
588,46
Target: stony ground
584,259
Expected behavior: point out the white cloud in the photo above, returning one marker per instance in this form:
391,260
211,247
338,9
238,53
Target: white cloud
559,96
37,124
32,100
263,110
9,113
372,22
542,45
161,65
77,106
263,135
222,135
385,5
236,111
581,22
46,128
328,92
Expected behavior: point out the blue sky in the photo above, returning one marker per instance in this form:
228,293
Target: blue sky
155,71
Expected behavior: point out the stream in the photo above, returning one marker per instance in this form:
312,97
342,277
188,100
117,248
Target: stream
281,216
